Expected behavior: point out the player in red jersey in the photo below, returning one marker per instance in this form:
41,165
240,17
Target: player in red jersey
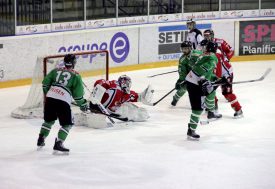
223,46
224,69
117,98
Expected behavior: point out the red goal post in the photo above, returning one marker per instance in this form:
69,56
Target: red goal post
91,65
97,71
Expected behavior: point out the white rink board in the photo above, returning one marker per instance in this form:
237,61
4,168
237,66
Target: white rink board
22,52
128,45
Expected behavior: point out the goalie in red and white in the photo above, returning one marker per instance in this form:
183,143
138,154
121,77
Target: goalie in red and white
117,98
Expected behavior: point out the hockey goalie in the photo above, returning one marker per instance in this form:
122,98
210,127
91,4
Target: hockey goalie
115,98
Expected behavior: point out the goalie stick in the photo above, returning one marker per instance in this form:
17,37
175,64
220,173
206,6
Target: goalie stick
115,116
162,73
110,116
248,81
105,112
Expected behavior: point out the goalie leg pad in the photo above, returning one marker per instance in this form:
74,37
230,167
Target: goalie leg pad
92,120
133,112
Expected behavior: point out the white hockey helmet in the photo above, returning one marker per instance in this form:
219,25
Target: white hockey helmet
191,24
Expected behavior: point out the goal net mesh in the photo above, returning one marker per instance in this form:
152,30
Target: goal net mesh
91,65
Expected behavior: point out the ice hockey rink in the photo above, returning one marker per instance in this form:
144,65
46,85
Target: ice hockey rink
232,153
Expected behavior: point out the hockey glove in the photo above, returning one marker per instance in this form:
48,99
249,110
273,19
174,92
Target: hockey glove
227,80
146,96
84,107
206,87
179,84
223,81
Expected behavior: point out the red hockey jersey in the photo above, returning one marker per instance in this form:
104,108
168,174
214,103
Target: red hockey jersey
223,67
114,97
225,48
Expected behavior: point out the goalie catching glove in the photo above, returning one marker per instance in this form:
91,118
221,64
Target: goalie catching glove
146,96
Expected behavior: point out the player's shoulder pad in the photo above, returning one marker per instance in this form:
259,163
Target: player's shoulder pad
197,31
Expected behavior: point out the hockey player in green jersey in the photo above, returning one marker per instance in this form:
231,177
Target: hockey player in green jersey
60,86
199,86
186,62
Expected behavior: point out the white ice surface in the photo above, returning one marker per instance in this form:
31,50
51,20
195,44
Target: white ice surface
231,154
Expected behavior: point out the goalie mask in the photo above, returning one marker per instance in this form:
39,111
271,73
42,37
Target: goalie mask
191,24
186,47
125,83
70,60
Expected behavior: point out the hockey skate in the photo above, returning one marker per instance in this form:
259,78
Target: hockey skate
212,116
59,149
238,114
192,135
40,142
174,102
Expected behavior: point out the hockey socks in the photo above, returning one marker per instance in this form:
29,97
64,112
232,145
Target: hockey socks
46,128
193,123
177,96
63,132
210,102
194,119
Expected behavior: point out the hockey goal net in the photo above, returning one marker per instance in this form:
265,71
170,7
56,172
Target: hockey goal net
91,65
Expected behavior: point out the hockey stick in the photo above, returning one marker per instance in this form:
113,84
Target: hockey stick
155,103
115,116
162,73
248,81
254,80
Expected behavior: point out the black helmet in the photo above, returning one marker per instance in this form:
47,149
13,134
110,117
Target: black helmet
204,42
208,34
186,44
211,47
186,47
69,60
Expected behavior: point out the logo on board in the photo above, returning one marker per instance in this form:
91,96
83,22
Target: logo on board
119,48
170,38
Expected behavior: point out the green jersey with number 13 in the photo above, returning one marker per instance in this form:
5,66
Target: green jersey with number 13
63,84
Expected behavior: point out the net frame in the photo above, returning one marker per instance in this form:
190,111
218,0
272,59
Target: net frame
33,106
79,54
